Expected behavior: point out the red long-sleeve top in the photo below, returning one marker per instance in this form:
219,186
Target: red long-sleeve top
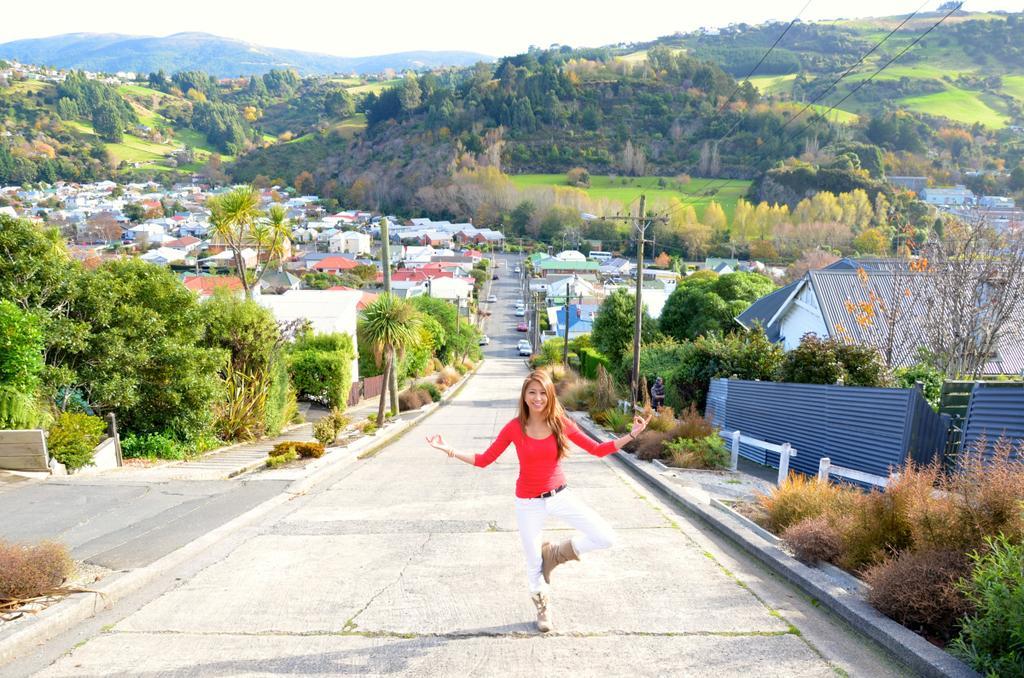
539,470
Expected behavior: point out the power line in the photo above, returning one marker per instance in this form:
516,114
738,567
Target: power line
725,182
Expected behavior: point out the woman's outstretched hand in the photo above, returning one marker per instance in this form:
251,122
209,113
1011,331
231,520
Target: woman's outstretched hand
438,443
639,424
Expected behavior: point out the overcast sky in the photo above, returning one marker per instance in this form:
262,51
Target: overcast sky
359,28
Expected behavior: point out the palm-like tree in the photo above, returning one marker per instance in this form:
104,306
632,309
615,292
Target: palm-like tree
239,223
389,326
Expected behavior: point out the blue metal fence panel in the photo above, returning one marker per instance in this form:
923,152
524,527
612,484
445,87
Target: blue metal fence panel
715,409
995,411
867,429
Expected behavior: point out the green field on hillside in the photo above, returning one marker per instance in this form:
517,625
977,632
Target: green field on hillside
772,84
375,87
957,104
626,194
1014,86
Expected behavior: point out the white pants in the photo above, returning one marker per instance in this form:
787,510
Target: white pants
530,515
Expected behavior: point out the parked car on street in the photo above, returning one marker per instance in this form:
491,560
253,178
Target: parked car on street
494,277
521,327
492,298
520,311
484,340
524,347
518,270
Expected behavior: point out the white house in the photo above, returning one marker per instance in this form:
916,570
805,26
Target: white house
163,256
451,288
352,242
955,195
328,311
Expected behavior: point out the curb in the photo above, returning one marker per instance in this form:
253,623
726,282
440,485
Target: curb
78,607
900,642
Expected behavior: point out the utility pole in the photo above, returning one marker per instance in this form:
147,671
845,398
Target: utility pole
642,222
641,225
569,287
385,256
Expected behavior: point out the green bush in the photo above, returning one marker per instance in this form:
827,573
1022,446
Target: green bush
590,359
930,377
433,390
826,361
709,452
73,437
748,355
617,420
302,449
282,459
992,639
323,376
323,431
153,446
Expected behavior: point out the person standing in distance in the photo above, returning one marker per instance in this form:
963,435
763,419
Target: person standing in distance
541,433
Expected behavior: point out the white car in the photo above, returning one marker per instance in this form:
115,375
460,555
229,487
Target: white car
520,311
524,347
518,270
493,298
484,340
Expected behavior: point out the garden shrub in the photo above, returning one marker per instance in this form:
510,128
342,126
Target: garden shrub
369,427
412,399
992,638
746,355
579,396
813,540
663,420
435,393
605,395
324,431
692,425
649,445
460,368
826,361
153,446
322,376
72,438
28,571
306,450
708,452
447,376
874,526
617,420
281,459
802,497
918,589
991,491
590,360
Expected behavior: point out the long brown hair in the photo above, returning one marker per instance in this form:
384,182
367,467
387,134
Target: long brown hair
553,414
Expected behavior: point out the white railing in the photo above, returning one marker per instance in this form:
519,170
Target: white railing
785,451
827,469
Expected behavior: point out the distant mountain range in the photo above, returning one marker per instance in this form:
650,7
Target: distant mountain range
221,57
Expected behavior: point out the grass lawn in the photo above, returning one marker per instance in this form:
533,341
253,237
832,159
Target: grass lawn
350,127
1014,86
131,149
957,104
626,194
375,87
141,91
25,86
772,84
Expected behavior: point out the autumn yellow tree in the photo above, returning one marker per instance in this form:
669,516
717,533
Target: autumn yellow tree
871,241
714,218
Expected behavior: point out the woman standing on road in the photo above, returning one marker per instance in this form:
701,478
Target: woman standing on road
540,434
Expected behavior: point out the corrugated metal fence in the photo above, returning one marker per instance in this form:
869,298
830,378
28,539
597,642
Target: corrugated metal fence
866,429
994,410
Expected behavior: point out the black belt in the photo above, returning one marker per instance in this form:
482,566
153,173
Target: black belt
550,493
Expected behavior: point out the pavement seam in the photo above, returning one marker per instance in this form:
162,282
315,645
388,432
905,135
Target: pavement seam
461,635
350,623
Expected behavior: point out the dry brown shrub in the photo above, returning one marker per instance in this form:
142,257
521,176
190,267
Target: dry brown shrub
28,571
413,399
650,445
692,424
874,527
990,491
448,376
813,540
918,589
605,394
569,380
578,396
663,420
933,515
802,497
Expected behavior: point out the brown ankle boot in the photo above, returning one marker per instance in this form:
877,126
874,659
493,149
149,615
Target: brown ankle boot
554,555
543,614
